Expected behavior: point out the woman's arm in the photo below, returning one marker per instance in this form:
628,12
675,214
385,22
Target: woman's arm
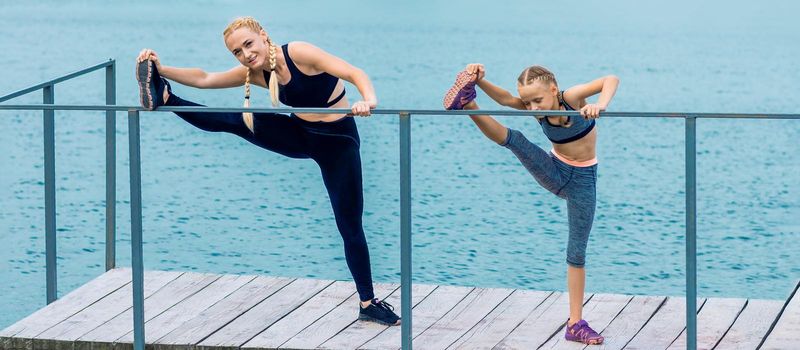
605,86
318,59
196,77
500,95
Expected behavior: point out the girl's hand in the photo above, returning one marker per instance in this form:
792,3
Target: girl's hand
477,69
363,108
148,54
592,111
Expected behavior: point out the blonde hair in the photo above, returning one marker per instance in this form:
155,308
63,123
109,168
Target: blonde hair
252,24
536,73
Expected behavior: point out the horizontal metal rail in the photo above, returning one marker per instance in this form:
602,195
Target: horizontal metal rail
430,112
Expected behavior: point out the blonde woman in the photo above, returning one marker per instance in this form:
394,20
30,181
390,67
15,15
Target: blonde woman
569,170
297,74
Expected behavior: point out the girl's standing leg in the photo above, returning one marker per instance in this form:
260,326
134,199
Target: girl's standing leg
581,202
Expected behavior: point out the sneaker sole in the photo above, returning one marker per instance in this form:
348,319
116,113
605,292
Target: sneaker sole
144,75
462,79
372,319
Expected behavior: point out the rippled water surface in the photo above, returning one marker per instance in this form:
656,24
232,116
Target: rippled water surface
215,203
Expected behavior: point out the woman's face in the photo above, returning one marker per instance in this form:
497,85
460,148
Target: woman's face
539,96
249,47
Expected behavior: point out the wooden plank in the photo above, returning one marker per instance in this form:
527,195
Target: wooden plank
665,326
184,286
189,308
316,307
425,314
261,316
713,320
598,312
67,331
541,324
465,315
489,331
219,315
632,318
69,304
361,332
786,332
752,325
333,322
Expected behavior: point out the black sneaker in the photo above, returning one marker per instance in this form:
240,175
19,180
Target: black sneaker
379,311
151,85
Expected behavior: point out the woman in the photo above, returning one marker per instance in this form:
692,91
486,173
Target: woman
297,74
569,171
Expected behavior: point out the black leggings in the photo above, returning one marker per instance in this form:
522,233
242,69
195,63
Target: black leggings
335,148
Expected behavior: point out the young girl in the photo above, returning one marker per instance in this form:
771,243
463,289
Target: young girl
299,75
569,170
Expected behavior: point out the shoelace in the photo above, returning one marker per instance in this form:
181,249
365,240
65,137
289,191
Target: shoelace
383,305
585,333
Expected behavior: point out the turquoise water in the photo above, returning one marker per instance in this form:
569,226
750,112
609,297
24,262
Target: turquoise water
215,203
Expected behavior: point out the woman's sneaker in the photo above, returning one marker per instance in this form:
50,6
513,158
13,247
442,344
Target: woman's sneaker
581,332
379,311
462,92
151,85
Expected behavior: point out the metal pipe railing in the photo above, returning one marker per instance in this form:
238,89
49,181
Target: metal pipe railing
49,134
111,168
48,114
137,260
405,192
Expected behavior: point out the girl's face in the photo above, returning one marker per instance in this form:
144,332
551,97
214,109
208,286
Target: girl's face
539,96
249,47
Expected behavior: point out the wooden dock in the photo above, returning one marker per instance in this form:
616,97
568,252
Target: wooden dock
185,310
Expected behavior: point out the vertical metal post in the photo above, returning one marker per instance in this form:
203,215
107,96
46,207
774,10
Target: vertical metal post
405,229
691,233
111,167
137,265
50,194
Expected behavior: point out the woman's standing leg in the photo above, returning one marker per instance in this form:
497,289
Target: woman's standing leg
336,148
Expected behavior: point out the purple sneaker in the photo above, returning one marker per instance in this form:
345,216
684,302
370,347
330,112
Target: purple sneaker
581,332
462,92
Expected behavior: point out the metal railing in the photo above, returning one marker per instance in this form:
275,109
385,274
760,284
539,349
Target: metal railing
48,92
405,192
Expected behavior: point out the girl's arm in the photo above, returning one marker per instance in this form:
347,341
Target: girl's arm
196,77
322,61
497,93
605,86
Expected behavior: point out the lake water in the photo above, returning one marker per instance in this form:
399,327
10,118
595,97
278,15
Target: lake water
215,203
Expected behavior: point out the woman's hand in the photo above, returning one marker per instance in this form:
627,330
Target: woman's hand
477,69
363,108
148,54
592,110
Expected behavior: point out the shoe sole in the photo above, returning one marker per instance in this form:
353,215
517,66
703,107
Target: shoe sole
591,342
144,75
372,319
462,79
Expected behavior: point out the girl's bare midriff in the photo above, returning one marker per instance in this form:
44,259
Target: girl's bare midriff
580,150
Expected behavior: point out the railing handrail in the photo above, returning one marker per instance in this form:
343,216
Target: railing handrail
62,78
428,112
48,114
